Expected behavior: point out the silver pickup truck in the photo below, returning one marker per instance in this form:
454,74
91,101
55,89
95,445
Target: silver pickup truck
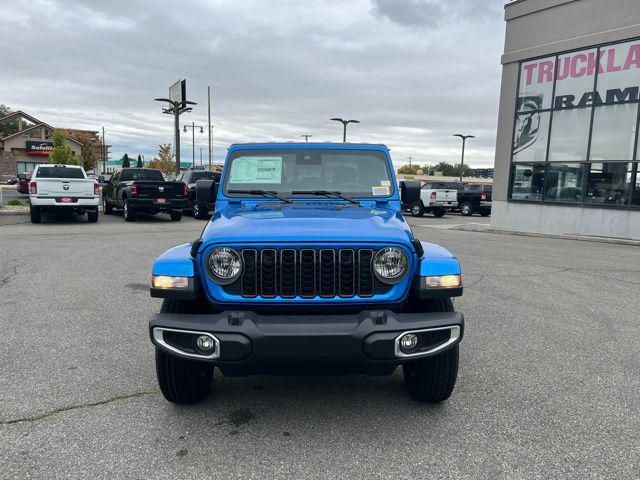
63,189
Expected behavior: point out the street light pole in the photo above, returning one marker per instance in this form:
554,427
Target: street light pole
344,126
193,127
464,141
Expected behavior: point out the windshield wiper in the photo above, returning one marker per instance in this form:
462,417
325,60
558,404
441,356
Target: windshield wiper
263,193
325,193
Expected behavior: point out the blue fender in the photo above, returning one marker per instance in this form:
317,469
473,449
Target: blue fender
175,262
438,261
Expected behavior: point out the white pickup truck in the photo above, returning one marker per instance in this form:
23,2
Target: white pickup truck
63,189
436,198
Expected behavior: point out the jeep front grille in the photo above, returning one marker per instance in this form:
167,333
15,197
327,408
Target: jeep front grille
307,273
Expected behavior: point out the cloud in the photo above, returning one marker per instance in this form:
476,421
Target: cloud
409,13
277,70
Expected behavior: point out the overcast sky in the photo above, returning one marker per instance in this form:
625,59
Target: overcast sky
412,71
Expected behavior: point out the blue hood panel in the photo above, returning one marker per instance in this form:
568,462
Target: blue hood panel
302,222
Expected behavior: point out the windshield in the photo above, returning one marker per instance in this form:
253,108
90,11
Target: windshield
356,173
151,175
59,172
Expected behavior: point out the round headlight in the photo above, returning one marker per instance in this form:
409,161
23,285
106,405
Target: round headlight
390,265
225,265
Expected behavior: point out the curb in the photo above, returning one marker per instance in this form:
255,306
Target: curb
482,228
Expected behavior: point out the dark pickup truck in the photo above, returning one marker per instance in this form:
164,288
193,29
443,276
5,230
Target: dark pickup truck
144,190
190,179
474,198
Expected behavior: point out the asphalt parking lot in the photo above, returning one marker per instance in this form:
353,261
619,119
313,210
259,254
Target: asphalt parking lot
548,384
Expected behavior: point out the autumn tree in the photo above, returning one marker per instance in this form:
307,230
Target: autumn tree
164,161
61,153
87,149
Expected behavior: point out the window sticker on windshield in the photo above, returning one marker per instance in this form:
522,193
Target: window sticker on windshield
385,183
380,191
256,170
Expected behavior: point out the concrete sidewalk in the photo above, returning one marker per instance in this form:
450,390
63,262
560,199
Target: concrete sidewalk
484,228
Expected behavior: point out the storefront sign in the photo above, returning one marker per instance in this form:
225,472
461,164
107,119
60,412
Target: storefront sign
39,148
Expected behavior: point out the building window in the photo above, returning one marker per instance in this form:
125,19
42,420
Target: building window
576,127
527,181
608,183
564,182
25,167
570,135
614,132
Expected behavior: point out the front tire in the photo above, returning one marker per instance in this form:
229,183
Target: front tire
182,381
127,212
417,210
36,214
466,209
108,208
432,379
176,215
199,210
438,212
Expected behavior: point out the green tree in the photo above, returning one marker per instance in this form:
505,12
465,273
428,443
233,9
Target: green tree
61,152
139,164
7,128
87,150
125,161
164,161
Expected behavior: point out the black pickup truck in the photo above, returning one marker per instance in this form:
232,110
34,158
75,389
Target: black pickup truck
144,190
474,198
190,179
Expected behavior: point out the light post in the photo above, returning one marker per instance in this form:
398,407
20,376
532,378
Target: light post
464,141
193,127
177,107
344,126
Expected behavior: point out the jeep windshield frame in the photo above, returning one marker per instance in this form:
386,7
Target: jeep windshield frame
361,173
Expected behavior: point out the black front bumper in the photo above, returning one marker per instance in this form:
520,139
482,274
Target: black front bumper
366,342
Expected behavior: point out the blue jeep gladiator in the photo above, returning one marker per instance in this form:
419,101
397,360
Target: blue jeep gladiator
306,266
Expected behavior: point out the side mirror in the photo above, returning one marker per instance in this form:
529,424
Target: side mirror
206,191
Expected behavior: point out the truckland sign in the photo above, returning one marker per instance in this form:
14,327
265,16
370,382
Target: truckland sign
567,81
39,148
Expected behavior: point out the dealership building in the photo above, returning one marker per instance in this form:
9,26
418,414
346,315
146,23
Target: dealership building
567,147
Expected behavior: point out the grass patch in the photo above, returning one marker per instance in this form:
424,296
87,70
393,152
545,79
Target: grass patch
17,203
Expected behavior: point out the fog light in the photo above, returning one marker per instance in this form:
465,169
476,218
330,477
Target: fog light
205,343
408,342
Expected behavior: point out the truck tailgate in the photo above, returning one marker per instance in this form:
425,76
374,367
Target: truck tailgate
63,187
149,189
446,195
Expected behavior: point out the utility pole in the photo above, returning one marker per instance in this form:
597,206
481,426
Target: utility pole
209,123
193,127
104,150
344,126
178,106
306,137
410,158
200,148
464,141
